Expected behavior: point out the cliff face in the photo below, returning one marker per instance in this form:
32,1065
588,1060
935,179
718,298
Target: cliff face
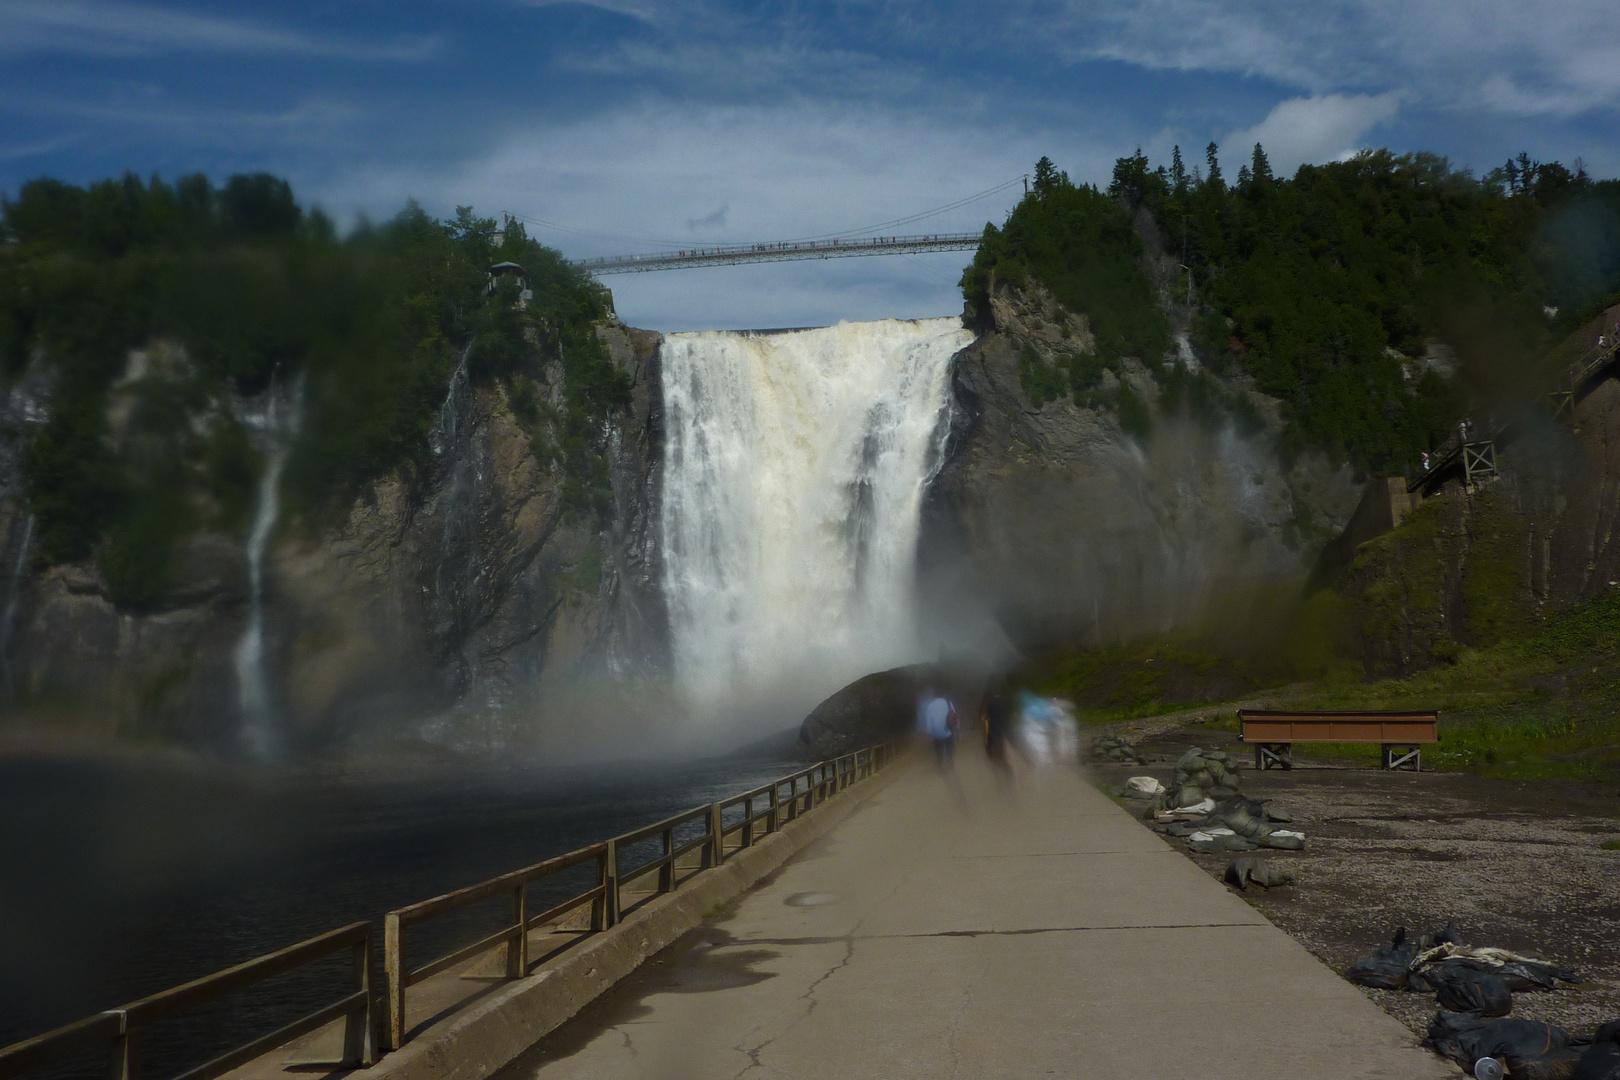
453,591
1469,570
1066,528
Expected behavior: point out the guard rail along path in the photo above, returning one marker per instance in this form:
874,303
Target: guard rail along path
782,251
686,844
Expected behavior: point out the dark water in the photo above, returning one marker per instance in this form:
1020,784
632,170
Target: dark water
118,879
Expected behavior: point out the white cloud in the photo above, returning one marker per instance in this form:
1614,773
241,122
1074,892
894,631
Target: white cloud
1313,129
96,27
1554,57
644,10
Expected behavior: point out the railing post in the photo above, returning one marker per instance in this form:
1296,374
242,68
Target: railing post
610,882
748,822
394,969
716,850
666,872
360,1026
517,950
123,1050
599,905
772,821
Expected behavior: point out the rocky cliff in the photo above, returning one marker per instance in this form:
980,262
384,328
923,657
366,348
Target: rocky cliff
455,599
455,591
1067,527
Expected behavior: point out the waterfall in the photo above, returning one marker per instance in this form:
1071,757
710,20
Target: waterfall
8,622
258,730
451,438
795,465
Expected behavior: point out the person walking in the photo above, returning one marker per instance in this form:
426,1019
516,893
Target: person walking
997,716
936,718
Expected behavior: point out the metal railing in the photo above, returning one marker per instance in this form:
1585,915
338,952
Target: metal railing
607,895
118,1030
515,935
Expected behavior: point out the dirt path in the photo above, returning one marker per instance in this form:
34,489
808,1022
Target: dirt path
1514,865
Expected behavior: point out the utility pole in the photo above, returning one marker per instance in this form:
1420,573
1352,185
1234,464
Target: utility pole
1026,183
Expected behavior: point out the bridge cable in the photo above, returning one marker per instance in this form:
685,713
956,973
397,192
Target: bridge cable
935,212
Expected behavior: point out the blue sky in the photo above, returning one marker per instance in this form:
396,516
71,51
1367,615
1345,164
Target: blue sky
732,121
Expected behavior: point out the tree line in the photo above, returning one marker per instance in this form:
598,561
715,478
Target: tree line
1329,287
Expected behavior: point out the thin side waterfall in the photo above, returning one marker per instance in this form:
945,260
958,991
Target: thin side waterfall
795,466
260,737
456,530
8,622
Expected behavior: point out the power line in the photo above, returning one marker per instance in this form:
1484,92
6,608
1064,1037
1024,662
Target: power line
919,217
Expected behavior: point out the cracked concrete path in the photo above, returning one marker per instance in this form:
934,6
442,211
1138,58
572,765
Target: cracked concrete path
951,928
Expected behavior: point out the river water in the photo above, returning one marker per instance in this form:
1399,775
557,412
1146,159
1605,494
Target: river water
125,878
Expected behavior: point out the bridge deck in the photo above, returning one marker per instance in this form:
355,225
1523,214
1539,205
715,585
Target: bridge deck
956,932
783,251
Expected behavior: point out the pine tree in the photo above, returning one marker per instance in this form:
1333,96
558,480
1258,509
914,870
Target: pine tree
1178,171
1261,168
1214,179
1047,177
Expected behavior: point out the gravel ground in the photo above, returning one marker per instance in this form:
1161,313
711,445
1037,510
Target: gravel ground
1518,865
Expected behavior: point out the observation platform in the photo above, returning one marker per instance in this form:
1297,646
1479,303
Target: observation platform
952,928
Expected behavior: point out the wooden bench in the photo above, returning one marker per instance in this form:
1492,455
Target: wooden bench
1401,734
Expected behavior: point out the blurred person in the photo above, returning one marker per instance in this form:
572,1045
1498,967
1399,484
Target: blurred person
936,718
1065,732
997,715
1035,715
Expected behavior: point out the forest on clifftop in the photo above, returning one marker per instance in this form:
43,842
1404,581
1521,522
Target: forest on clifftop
1331,289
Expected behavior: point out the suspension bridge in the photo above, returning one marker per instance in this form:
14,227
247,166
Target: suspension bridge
784,251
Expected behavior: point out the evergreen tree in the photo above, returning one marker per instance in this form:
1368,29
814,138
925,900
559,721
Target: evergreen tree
1178,171
1047,178
1213,180
1261,168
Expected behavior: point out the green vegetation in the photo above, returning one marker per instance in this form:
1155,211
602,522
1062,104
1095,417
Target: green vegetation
1541,703
1080,243
1327,286
154,307
1285,641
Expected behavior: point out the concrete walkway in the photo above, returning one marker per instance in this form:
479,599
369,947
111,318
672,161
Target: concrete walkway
952,929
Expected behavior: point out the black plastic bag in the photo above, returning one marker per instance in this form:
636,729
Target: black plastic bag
1529,1047
1528,975
1385,968
1463,986
1249,870
1601,1060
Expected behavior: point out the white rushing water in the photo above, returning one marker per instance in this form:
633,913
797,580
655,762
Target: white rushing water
795,465
258,731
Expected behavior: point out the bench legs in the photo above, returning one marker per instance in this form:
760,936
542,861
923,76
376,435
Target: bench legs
1273,756
1403,756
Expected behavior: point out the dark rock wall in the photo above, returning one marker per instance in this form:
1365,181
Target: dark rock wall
1065,528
